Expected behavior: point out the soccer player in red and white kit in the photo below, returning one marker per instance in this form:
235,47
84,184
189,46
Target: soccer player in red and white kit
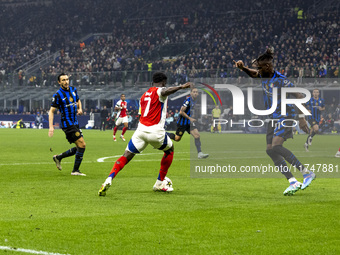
121,107
150,130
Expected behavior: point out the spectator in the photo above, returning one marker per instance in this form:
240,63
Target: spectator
39,121
103,115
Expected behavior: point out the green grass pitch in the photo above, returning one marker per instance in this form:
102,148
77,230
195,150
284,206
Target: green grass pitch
44,209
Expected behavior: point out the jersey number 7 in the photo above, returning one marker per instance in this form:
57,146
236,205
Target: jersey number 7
147,106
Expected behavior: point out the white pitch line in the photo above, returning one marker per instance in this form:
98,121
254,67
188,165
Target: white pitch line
102,160
39,163
7,248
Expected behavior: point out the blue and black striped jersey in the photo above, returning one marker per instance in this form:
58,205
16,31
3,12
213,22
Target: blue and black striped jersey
277,81
313,105
189,104
66,102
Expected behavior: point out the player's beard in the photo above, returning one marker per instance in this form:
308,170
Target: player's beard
65,88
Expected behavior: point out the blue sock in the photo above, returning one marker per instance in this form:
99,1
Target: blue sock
288,156
78,159
68,153
198,144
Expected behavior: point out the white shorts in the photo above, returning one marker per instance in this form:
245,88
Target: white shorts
121,120
140,139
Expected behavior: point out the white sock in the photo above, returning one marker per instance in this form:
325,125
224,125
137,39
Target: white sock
108,180
292,180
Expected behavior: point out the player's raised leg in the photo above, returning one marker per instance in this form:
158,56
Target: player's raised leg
118,165
57,158
135,145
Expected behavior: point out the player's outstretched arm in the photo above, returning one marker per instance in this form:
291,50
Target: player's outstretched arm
168,91
251,72
50,121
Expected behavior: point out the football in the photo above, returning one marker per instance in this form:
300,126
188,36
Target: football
168,182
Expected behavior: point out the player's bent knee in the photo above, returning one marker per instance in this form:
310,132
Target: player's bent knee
129,155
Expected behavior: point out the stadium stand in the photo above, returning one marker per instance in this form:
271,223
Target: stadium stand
107,46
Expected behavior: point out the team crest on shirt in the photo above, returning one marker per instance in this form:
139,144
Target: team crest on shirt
77,134
271,85
71,99
180,133
74,93
320,101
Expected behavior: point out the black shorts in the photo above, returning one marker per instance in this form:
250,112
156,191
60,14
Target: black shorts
73,133
181,129
275,128
313,122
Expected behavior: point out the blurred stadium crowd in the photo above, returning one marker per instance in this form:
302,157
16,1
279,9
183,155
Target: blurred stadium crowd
101,41
208,35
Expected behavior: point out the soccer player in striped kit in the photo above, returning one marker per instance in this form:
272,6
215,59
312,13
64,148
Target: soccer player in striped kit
277,134
66,99
315,105
186,123
122,117
150,130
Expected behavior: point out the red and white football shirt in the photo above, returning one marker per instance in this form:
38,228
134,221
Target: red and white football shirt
122,112
153,110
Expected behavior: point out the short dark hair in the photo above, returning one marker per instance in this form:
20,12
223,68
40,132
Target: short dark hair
122,94
267,56
159,77
61,75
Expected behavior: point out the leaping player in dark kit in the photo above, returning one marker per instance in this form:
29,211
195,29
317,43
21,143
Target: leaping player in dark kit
277,134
